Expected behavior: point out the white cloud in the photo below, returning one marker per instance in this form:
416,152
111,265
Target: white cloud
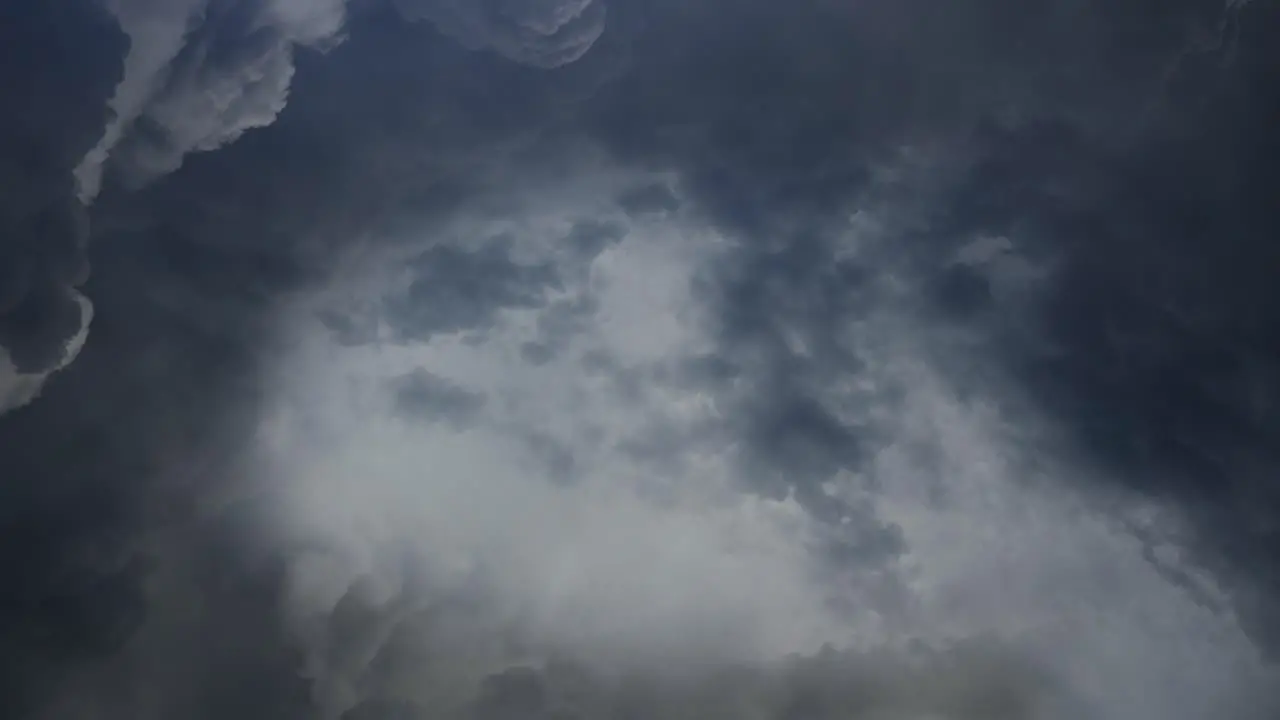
617,564
656,557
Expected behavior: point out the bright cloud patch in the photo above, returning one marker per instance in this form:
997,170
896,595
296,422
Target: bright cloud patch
525,437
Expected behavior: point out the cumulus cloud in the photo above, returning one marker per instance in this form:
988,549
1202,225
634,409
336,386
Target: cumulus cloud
542,33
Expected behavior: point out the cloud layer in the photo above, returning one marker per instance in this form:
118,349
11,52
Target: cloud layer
450,369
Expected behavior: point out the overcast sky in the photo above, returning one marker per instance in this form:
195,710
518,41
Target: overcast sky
587,359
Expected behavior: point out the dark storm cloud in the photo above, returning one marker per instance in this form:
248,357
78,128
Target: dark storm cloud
1154,343
972,679
454,290
104,462
53,110
197,76
423,396
655,197
137,441
201,73
543,33
350,155
536,353
557,459
589,238
1140,170
347,328
410,658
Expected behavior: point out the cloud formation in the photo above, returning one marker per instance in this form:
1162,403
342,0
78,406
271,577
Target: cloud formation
708,519
22,378
197,76
54,108
458,389
201,73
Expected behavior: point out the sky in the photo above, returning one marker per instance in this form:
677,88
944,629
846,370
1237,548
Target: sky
603,359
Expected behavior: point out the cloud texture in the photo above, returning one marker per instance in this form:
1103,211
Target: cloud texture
721,359
586,507
198,75
56,110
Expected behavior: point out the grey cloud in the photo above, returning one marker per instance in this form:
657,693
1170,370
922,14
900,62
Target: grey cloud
536,353
44,311
655,197
136,445
708,370
783,323
564,319
349,328
199,75
52,112
554,456
827,686
98,465
452,290
1144,338
589,238
973,679
195,77
59,325
430,398
542,33
1146,323
1151,344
